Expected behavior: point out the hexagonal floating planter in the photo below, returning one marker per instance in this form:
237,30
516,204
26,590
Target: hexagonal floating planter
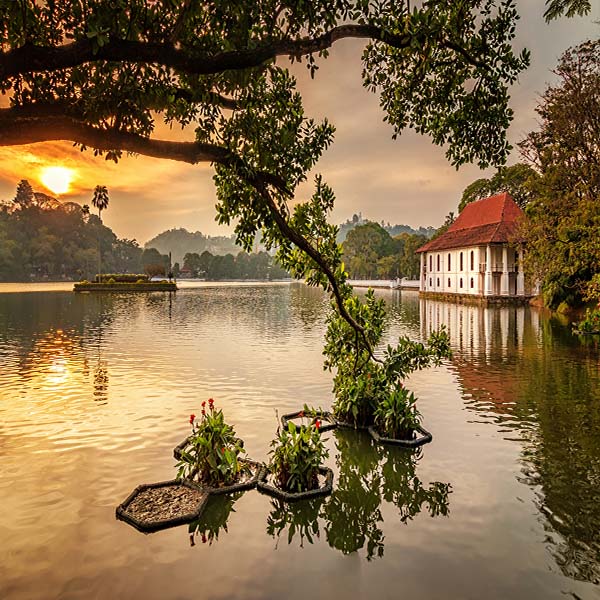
328,421
420,436
325,488
155,506
182,446
247,481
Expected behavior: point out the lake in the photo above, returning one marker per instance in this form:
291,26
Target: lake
96,390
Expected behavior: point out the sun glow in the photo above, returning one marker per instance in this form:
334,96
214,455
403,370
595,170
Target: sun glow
57,179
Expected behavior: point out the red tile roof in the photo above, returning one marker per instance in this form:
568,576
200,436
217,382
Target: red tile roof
493,220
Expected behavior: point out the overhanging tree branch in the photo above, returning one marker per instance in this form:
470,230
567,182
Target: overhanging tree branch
17,128
301,242
30,58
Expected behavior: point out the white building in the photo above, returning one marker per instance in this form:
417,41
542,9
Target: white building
477,255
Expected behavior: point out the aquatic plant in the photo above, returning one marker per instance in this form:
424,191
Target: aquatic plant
396,415
591,322
297,455
212,453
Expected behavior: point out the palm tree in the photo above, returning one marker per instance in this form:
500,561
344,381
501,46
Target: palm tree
100,201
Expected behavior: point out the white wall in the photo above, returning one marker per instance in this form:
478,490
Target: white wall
444,280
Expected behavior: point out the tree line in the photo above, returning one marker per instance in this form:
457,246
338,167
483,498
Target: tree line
259,265
43,238
370,252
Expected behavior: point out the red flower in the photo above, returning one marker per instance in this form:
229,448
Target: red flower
317,423
203,404
203,539
192,417
301,414
211,403
203,412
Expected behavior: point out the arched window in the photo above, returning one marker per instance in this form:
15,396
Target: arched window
430,282
471,277
430,262
438,262
448,281
472,263
449,255
461,262
438,282
461,277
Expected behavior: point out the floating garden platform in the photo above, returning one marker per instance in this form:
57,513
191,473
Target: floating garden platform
247,480
326,419
266,485
155,506
148,286
420,436
124,282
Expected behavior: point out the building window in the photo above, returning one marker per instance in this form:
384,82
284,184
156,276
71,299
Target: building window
471,277
430,262
449,255
448,281
438,280
430,282
472,263
438,262
461,277
461,262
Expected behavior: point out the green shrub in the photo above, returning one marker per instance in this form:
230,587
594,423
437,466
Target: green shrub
296,457
212,454
396,415
591,321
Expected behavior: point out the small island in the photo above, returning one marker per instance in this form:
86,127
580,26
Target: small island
124,282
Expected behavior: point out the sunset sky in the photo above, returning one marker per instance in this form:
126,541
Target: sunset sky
402,181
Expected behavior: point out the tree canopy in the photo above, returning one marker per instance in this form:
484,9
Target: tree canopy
518,180
564,215
45,238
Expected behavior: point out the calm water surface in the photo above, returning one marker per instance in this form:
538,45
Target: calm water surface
95,390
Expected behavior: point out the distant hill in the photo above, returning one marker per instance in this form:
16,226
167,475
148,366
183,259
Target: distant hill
393,230
181,241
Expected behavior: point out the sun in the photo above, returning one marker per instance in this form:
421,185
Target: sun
57,179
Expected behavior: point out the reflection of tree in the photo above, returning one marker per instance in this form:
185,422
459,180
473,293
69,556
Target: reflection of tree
404,489
352,513
561,457
101,381
367,474
542,381
297,518
214,518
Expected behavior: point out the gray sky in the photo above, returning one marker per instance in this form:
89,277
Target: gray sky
403,181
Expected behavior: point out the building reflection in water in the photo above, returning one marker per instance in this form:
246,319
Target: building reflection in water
481,333
525,373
